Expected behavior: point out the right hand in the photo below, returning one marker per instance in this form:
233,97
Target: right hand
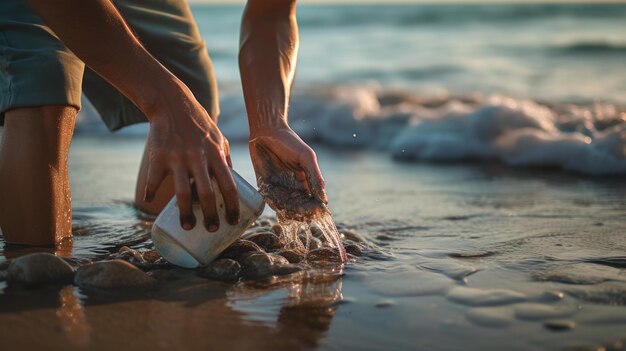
185,143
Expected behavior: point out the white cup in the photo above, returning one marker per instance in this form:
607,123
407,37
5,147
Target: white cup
198,247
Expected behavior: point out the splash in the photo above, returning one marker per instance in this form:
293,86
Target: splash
297,210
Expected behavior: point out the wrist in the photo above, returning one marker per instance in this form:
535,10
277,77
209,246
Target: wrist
165,91
264,127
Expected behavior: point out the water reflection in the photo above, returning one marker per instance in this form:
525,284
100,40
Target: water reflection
71,314
306,303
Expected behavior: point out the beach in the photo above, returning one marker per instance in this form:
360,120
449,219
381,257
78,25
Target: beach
473,256
482,169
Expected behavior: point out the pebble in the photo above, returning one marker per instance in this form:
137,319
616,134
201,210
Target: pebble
278,230
110,275
291,256
349,235
324,254
560,325
384,303
353,249
224,269
151,256
239,247
261,265
267,241
38,269
314,243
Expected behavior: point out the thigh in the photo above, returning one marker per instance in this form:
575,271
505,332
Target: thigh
168,31
36,69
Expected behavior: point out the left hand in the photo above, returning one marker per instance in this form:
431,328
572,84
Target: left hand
280,150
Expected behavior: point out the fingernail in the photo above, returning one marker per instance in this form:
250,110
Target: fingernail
233,218
212,224
188,222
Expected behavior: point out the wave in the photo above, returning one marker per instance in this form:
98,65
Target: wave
583,138
342,15
593,47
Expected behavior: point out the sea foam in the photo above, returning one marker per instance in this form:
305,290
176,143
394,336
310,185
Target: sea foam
588,138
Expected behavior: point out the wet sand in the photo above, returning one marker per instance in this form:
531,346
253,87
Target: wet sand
468,256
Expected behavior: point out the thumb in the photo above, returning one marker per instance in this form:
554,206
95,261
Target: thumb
315,180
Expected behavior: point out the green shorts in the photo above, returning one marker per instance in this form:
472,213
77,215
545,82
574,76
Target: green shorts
36,69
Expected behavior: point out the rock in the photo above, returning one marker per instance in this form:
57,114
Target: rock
111,275
324,254
349,235
239,247
317,232
278,230
384,303
151,256
314,243
262,265
560,325
353,249
267,241
285,269
224,269
38,269
291,256
165,275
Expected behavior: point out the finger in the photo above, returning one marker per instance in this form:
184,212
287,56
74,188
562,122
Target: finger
227,153
206,196
156,175
228,188
314,177
183,198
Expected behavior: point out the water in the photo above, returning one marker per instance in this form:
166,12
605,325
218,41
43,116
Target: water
512,229
297,210
528,85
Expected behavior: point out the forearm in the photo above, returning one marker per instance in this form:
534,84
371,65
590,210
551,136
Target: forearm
96,32
267,61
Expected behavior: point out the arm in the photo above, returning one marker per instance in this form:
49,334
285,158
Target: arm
267,62
183,140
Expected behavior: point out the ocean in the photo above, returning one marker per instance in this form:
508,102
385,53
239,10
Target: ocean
480,150
521,84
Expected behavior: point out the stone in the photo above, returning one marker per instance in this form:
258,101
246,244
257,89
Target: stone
384,304
314,243
262,265
291,256
111,275
239,247
560,325
353,249
286,269
267,241
39,269
225,269
151,256
324,254
349,235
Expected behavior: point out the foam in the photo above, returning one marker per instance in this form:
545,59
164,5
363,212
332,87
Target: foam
582,138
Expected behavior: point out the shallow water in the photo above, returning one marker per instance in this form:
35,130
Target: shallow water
472,256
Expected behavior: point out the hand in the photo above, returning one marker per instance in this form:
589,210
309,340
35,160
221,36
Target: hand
280,150
185,143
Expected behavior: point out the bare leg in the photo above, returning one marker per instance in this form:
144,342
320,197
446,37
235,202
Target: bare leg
35,204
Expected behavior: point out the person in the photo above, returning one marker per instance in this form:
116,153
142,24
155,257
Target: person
136,61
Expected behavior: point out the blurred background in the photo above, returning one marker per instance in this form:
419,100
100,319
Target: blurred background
525,84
